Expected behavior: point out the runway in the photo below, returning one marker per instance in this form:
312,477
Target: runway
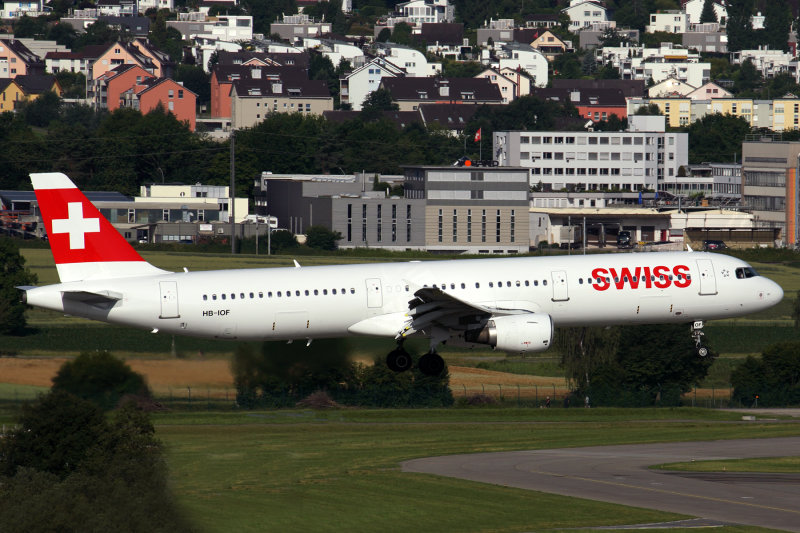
620,474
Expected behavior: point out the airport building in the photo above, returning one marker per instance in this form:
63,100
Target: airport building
638,159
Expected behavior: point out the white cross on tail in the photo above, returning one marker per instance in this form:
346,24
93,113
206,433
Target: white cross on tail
76,226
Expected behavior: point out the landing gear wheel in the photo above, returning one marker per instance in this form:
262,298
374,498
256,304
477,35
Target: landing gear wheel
431,364
398,360
702,351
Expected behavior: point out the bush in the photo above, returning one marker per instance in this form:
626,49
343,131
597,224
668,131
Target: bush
774,378
100,378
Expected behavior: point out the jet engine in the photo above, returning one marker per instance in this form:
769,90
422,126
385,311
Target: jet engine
529,332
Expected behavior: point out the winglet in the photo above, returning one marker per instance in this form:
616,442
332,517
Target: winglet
689,248
296,264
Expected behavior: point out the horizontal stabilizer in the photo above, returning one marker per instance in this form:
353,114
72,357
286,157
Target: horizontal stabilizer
93,298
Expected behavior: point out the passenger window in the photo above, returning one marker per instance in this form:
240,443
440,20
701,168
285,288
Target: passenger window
536,283
205,297
297,293
452,285
279,294
352,290
241,295
213,296
508,283
316,292
477,285
344,291
288,294
333,291
233,296
325,292
260,294
406,288
517,283
269,294
223,296
307,293
491,284
544,282
580,281
463,286
527,284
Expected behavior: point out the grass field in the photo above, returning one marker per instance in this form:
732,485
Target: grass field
338,470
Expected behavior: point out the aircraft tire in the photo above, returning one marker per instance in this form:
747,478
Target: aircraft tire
398,360
431,364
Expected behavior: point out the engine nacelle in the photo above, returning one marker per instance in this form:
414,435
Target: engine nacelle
529,332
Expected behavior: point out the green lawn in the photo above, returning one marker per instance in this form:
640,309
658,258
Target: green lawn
338,470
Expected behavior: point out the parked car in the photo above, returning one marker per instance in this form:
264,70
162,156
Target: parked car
713,245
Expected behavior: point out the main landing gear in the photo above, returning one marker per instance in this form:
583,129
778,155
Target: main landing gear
697,335
430,364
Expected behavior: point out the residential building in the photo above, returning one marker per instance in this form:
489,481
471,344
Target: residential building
498,31
550,45
592,104
254,69
657,64
409,93
121,53
73,61
253,99
453,117
10,94
35,85
670,88
14,9
445,39
709,37
769,63
83,18
591,36
417,12
335,50
633,160
694,8
669,21
144,5
358,83
632,88
507,84
167,93
163,65
409,59
523,57
109,87
16,59
584,13
294,28
770,187
709,91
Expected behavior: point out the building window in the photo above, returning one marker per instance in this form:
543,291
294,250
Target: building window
180,94
364,222
497,232
455,225
379,221
483,225
513,220
469,225
441,223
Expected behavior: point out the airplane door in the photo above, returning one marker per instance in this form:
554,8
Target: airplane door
374,293
169,299
560,293
708,283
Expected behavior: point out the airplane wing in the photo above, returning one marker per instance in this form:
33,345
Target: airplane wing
432,305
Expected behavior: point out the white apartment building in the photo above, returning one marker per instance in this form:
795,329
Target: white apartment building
669,21
768,62
336,50
356,85
633,160
666,61
417,12
409,59
523,56
509,88
694,8
585,13
23,8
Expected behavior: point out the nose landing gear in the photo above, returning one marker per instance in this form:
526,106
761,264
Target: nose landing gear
697,335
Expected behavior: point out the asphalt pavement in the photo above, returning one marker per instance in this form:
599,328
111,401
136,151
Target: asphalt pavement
620,474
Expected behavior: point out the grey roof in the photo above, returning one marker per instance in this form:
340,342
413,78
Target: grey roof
400,118
452,116
300,88
35,83
442,32
481,89
583,96
628,87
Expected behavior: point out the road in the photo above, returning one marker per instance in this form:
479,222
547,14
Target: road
620,474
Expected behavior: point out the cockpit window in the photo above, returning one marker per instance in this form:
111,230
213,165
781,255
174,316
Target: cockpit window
746,272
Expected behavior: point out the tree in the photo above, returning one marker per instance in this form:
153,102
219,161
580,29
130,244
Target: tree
739,26
282,240
589,65
584,350
67,468
41,111
654,364
30,27
401,34
100,378
796,310
716,136
196,80
384,35
321,238
12,274
777,25
708,14
376,103
774,378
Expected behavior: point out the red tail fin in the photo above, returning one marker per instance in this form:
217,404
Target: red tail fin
84,244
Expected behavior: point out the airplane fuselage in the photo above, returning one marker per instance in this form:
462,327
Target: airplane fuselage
373,299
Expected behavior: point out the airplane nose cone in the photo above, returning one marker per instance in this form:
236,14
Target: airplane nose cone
773,293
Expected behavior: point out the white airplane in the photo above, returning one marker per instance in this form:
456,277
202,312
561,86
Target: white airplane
512,304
